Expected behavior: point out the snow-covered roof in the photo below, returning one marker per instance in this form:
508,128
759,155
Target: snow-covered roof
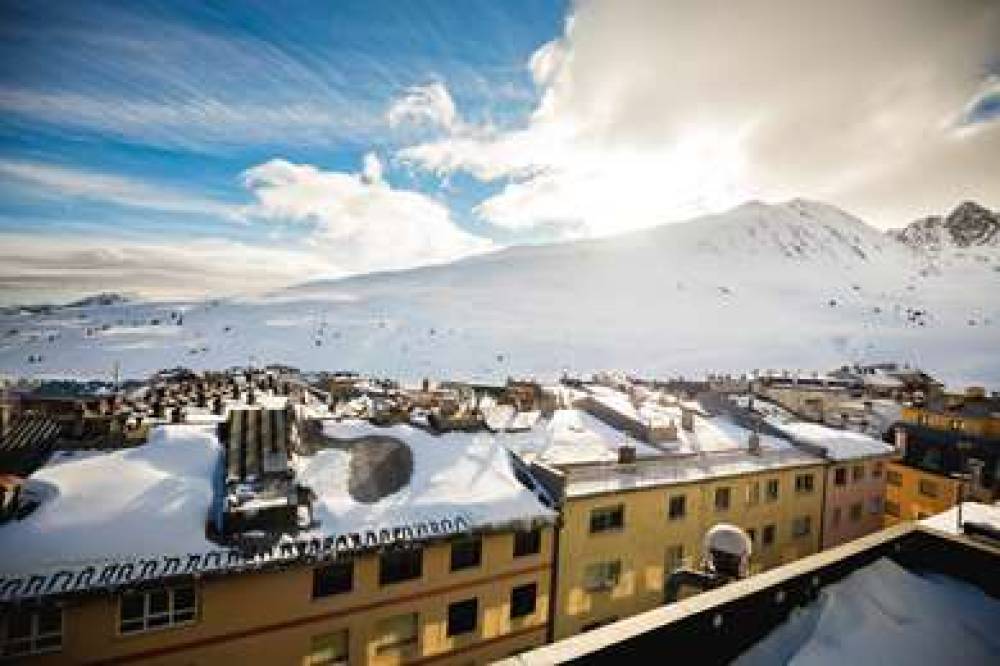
150,500
838,444
457,473
972,512
885,614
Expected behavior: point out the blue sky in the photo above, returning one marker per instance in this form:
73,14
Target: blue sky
256,144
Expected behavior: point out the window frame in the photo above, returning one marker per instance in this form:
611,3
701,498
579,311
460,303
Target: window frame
517,604
315,645
318,572
609,518
31,640
805,484
398,647
722,491
771,529
801,526
682,514
383,571
840,476
610,578
456,555
527,542
170,614
774,484
922,484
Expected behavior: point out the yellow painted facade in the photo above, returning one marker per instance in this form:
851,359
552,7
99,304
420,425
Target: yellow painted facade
272,617
980,426
914,494
646,546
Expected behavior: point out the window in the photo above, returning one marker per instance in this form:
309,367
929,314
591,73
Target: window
329,649
396,566
957,424
674,558
466,553
752,533
804,483
607,518
858,473
875,505
891,509
927,488
396,634
893,478
772,490
840,476
753,493
462,616
801,526
722,499
602,576
522,600
877,470
768,535
677,507
157,608
527,542
837,514
25,631
335,578
856,510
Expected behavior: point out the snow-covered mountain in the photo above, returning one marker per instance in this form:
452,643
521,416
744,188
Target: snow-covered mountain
795,285
969,226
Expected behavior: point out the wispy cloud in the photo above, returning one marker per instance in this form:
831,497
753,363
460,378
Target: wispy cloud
60,182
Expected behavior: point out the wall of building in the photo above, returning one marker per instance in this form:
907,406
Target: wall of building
913,494
869,491
642,544
984,426
272,618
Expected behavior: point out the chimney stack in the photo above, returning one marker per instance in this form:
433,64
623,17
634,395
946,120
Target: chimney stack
687,418
753,445
626,454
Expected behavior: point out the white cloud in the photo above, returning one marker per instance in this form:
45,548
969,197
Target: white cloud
66,182
430,105
358,221
654,111
38,267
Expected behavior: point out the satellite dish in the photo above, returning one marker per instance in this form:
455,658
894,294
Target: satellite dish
727,550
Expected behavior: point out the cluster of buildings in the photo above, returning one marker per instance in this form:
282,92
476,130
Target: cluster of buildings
273,517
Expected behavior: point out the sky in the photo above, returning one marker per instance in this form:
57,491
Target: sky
209,148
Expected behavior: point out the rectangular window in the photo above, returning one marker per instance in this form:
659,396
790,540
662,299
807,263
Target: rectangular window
607,518
336,578
877,470
722,499
840,476
522,600
462,616
875,505
396,566
527,542
837,514
396,634
753,493
677,507
768,535
893,478
801,526
26,631
804,483
772,490
856,510
891,509
858,473
674,559
157,608
329,649
752,533
602,576
927,488
466,553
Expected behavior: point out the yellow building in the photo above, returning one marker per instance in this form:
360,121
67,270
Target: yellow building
409,605
972,413
912,493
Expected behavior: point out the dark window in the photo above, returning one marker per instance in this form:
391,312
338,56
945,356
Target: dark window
396,566
462,616
856,511
24,631
677,507
772,490
156,608
894,478
527,542
858,473
927,488
335,578
804,483
522,600
877,470
768,534
466,553
840,476
722,499
892,509
607,518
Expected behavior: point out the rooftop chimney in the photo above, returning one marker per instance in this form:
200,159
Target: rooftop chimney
687,418
753,444
626,454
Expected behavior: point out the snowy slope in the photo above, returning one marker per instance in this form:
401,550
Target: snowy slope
795,285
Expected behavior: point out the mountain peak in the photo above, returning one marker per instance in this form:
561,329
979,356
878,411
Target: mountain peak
968,225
